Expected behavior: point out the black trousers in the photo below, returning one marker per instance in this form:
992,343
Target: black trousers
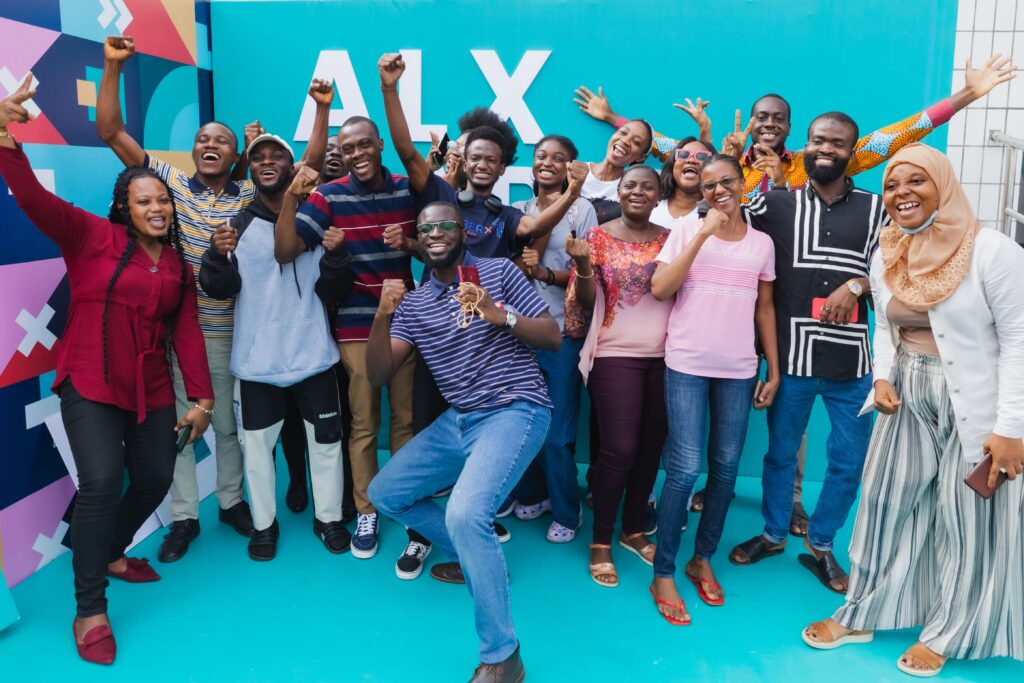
104,441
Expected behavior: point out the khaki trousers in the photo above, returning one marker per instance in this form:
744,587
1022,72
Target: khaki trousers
364,401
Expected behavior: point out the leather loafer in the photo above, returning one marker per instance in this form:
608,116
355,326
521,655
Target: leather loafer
239,518
176,543
297,497
449,572
137,571
509,671
263,544
98,645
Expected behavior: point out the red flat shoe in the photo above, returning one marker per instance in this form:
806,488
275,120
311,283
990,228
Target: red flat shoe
137,571
679,605
702,592
98,644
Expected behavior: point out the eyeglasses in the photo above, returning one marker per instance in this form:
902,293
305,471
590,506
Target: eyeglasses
726,182
686,154
443,226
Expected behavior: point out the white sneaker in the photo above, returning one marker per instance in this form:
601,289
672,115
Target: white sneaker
528,512
410,564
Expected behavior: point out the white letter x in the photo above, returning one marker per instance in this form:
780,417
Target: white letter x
509,90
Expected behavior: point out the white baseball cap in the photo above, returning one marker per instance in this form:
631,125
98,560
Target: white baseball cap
271,138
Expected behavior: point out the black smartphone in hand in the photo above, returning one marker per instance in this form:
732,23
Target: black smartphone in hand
183,436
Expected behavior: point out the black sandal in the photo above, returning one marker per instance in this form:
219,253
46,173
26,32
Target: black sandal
799,516
756,549
826,569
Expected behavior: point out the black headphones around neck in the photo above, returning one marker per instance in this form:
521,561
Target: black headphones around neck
493,204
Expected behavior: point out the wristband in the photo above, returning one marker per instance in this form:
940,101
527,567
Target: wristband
620,122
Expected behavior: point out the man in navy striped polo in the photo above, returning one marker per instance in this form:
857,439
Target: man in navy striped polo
362,204
476,340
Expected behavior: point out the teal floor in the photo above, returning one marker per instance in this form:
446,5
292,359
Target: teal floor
312,616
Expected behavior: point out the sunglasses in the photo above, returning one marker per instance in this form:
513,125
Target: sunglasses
443,226
726,182
686,154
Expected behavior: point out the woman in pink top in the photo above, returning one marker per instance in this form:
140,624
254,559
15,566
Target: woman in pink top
720,272
623,363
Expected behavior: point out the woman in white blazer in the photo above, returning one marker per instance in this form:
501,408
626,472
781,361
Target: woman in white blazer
927,550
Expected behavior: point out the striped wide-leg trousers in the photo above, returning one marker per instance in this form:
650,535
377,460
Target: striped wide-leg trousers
926,549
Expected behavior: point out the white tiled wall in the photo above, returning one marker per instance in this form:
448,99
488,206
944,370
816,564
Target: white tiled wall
983,28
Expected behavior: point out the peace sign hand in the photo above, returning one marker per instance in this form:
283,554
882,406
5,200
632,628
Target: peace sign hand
11,108
699,114
736,141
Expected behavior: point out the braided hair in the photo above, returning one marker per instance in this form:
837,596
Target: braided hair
120,215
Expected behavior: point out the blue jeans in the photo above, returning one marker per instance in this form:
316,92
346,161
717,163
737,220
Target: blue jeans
845,450
553,474
484,452
688,399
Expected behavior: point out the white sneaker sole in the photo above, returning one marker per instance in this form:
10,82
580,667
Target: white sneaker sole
364,554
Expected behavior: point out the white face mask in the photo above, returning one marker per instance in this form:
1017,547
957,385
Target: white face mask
914,231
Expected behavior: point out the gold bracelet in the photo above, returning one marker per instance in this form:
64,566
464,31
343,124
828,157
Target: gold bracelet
209,413
584,277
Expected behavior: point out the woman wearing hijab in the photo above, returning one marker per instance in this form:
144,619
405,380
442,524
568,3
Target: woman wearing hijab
927,550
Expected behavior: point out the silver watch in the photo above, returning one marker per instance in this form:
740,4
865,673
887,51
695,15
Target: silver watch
510,320
855,287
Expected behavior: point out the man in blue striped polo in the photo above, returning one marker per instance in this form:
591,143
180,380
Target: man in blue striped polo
475,339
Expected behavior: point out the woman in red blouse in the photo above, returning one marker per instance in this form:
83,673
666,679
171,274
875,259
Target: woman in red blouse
131,294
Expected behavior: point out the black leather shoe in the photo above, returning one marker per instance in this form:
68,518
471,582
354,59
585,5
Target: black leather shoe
333,535
176,542
509,671
239,518
449,572
297,497
263,544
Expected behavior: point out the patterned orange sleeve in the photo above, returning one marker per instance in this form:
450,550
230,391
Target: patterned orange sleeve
876,147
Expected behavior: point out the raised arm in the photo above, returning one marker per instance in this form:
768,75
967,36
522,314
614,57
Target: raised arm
288,244
391,67
109,120
67,225
877,146
598,107
322,92
384,353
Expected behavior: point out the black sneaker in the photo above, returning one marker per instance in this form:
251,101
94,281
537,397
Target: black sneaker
176,542
334,535
297,497
410,564
348,511
504,535
263,544
239,518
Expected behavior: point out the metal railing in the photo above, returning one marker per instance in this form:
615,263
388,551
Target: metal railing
1011,220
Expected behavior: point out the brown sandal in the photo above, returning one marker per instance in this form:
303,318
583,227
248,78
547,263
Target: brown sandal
646,553
604,569
921,654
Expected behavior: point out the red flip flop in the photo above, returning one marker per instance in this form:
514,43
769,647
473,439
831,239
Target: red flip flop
702,592
672,620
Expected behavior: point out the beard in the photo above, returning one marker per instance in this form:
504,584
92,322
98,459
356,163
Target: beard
277,187
824,175
445,261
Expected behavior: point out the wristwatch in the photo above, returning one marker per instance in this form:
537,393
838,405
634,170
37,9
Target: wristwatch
855,287
510,320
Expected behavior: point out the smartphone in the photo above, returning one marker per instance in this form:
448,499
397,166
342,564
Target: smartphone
183,436
442,151
818,303
978,478
469,274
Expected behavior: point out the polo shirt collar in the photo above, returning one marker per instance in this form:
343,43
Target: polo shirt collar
197,187
362,188
843,197
437,287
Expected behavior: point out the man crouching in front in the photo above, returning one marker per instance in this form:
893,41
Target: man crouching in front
473,323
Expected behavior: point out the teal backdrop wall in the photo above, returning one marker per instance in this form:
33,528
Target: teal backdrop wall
878,61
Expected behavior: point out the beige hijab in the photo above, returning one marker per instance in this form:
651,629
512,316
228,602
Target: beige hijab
923,269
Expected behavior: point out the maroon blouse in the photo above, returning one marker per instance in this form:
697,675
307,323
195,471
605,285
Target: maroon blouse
144,297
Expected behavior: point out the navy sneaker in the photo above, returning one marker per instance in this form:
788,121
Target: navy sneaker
364,542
